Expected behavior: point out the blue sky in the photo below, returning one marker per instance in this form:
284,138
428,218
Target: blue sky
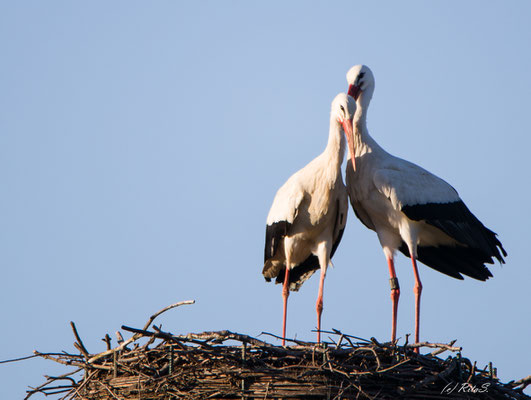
141,147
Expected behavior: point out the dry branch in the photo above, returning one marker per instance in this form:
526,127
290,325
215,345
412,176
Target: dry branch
79,343
138,336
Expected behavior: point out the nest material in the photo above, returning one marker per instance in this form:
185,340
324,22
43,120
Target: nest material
201,366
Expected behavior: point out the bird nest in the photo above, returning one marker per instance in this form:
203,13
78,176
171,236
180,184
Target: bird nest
153,364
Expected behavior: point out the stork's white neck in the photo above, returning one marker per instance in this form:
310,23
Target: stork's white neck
335,149
362,105
363,142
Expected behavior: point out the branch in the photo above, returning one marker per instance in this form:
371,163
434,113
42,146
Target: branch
435,346
18,359
524,382
152,318
442,350
137,336
432,378
298,342
79,343
221,336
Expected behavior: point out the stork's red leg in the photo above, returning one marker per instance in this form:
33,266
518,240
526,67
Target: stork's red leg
285,295
417,289
395,295
319,305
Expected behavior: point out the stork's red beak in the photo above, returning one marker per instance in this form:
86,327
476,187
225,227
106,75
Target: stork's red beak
347,127
354,91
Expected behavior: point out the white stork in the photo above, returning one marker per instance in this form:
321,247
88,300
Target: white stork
411,209
309,212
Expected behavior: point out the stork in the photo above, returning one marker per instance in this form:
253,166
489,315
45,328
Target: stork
411,209
309,213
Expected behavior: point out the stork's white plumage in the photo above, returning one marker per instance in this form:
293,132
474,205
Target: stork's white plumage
411,209
309,212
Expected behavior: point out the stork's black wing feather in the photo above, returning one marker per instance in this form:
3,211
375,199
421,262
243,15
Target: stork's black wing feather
478,245
458,222
306,269
453,261
274,234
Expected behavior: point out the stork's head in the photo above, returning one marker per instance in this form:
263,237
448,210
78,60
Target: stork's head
360,82
343,110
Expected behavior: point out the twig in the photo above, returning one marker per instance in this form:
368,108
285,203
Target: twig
81,347
137,336
152,318
222,336
524,382
119,337
58,359
299,342
107,340
442,350
338,332
84,383
435,345
18,359
433,378
109,390
472,372
49,380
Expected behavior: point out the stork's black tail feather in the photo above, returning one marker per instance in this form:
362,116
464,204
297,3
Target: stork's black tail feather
300,273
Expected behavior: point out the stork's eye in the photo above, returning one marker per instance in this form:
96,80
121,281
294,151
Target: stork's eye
342,109
360,77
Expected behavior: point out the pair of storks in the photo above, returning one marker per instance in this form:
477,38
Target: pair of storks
409,208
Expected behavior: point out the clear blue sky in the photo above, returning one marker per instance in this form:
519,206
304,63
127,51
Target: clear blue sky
141,146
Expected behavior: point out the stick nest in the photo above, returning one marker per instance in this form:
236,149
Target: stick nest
227,365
